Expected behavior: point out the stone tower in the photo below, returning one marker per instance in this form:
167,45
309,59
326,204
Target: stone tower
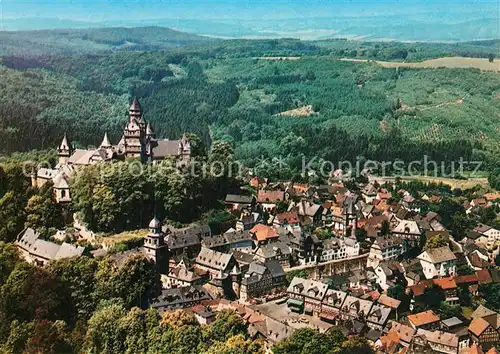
64,151
236,280
155,247
350,215
134,135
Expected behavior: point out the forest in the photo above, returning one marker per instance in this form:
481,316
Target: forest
221,91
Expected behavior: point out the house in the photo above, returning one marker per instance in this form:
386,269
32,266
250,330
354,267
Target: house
455,326
408,230
449,288
203,314
270,330
38,251
378,316
261,278
289,218
404,333
387,275
263,234
306,295
229,241
369,192
425,320
185,241
179,298
384,249
181,276
309,212
269,198
248,220
215,262
483,276
238,202
485,333
355,308
447,285
306,247
331,306
438,262
389,302
275,251
339,248
437,341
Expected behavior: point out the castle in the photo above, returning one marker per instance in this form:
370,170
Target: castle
138,141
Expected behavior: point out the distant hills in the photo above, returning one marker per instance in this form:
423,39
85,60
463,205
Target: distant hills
415,27
90,40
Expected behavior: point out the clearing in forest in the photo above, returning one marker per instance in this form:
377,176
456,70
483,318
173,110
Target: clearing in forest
448,62
305,111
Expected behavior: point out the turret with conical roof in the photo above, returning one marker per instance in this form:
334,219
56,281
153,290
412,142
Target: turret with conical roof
105,142
64,151
135,110
149,131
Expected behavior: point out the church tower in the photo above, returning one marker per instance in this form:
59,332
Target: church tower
134,133
64,151
155,247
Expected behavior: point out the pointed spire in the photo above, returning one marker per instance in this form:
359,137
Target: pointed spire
135,106
149,130
64,144
105,142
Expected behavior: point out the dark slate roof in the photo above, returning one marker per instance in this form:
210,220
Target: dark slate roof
176,241
275,268
164,148
242,257
373,335
180,297
240,199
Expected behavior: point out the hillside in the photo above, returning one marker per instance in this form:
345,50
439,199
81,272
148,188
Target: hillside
220,90
92,40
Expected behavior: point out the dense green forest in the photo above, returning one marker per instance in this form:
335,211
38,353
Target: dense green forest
219,90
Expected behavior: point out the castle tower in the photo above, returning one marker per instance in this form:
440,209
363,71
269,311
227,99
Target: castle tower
155,247
135,111
184,148
64,151
134,132
350,215
236,280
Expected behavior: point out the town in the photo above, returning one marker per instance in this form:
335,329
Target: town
389,261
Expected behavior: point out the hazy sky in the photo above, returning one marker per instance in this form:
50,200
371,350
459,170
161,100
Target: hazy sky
100,10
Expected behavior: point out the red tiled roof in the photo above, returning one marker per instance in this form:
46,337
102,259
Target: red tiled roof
483,276
389,301
374,294
288,217
270,196
263,232
419,288
478,326
466,279
445,283
423,318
